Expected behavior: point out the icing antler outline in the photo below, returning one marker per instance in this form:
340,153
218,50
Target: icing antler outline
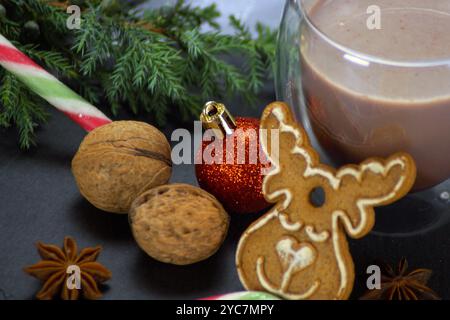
377,182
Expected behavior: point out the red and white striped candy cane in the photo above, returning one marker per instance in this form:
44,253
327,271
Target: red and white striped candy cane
50,88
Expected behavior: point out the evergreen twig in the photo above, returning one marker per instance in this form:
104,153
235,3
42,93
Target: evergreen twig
160,61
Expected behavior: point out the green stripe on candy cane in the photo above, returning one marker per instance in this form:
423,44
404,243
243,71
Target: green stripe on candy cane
244,295
50,88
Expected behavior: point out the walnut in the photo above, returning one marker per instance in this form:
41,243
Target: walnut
178,223
117,162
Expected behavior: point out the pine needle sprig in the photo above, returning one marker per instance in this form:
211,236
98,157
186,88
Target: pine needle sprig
9,28
160,61
54,61
12,95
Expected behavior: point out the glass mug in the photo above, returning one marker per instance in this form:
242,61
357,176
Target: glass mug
370,78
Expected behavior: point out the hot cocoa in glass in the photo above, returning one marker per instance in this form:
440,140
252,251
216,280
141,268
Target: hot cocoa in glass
373,79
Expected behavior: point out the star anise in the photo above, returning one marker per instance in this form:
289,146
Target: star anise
56,270
402,285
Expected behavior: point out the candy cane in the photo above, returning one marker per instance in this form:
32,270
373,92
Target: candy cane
50,88
244,295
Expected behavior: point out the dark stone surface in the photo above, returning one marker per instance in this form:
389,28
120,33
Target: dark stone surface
39,201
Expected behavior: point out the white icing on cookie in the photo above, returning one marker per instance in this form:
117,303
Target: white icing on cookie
334,180
293,260
287,225
278,113
337,215
262,222
278,291
287,197
296,260
317,237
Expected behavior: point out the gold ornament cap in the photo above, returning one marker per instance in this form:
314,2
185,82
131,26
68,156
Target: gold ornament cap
216,116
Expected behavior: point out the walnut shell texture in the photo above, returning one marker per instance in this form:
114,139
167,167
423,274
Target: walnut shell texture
118,161
178,223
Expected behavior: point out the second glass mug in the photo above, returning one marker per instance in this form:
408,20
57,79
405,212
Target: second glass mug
362,89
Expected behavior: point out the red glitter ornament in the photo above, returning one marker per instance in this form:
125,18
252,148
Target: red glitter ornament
230,169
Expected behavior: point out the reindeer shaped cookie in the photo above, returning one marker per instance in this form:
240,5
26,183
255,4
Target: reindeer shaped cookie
299,250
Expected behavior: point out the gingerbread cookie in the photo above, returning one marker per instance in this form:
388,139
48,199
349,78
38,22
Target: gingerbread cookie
299,250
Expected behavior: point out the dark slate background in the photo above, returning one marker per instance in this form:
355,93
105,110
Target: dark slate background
40,202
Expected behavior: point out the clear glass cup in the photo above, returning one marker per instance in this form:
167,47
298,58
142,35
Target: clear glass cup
371,80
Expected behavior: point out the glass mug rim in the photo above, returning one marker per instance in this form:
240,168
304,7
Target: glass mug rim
364,57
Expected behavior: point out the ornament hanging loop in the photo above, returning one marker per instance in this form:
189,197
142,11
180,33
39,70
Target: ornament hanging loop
216,116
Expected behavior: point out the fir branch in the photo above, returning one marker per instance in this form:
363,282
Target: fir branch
94,42
21,107
43,12
89,91
50,60
9,28
182,16
160,61
8,98
241,29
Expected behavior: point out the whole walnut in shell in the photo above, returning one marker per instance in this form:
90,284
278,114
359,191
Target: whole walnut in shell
178,223
118,161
